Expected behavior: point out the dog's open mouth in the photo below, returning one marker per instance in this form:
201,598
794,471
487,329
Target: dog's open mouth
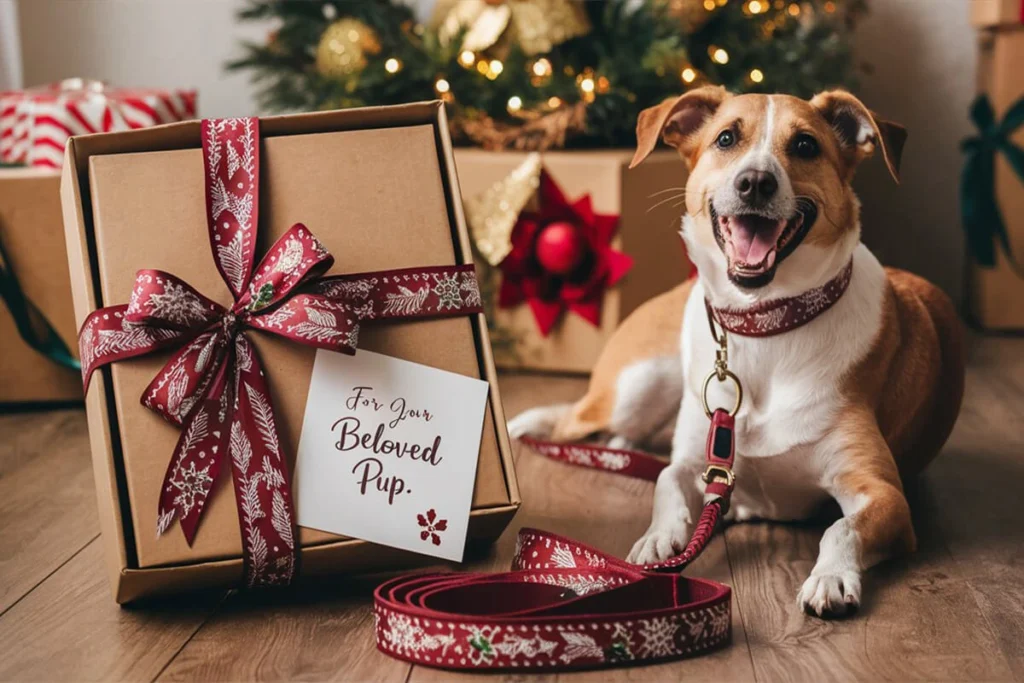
754,245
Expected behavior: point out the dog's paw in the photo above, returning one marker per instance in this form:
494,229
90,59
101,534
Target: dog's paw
657,545
830,595
537,422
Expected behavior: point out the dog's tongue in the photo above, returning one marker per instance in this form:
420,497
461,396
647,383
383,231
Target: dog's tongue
754,236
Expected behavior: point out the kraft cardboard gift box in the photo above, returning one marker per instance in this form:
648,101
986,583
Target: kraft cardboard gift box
32,233
378,187
645,198
996,295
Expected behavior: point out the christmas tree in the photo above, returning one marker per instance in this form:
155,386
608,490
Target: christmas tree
537,74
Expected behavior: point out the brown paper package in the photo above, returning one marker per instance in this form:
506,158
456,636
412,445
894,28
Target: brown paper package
32,233
996,295
647,231
377,187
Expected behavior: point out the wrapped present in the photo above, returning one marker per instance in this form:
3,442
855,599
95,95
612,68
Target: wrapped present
35,124
569,244
39,364
37,323
252,297
993,177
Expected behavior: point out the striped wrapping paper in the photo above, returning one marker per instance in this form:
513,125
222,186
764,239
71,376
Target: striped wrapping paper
35,124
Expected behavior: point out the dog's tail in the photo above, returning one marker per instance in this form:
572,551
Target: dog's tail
560,422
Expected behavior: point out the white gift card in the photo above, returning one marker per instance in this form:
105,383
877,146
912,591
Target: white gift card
388,452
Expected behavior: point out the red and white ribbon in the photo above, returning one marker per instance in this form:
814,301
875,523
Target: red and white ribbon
213,386
35,124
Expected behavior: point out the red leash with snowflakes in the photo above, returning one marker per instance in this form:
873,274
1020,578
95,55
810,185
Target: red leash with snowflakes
565,605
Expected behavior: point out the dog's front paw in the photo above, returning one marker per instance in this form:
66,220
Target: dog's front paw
657,545
830,595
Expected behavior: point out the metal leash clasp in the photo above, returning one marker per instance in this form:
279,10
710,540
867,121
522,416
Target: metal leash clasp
721,438
721,371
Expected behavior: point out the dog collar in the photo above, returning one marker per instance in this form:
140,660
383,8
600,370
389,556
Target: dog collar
782,315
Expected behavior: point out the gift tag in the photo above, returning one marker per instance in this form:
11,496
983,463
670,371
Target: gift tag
388,452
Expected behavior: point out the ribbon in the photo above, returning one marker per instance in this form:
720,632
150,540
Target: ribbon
982,219
32,325
213,386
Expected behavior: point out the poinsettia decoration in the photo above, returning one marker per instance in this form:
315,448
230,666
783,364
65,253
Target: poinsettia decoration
561,258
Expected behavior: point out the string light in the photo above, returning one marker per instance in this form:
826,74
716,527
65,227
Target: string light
709,5
554,102
392,66
442,86
794,10
756,7
830,7
719,55
756,75
515,103
688,75
467,58
496,67
587,85
482,67
542,68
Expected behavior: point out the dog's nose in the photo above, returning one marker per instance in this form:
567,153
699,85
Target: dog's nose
756,187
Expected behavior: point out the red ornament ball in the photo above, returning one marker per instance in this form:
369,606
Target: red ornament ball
560,248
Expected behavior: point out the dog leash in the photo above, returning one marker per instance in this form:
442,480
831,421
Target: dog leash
565,605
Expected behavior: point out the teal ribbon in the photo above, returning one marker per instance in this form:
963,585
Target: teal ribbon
982,219
43,338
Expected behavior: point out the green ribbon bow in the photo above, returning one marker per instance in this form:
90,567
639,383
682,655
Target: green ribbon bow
41,337
982,219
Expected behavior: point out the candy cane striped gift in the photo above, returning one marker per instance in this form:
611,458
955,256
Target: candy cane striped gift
35,124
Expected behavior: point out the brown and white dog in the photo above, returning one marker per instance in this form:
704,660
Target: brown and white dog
844,406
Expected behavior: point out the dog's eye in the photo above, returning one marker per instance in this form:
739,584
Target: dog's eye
726,139
805,147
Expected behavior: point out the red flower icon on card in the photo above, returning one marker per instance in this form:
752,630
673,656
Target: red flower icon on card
431,526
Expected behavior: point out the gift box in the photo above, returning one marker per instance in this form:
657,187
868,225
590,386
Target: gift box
993,182
378,189
631,218
36,304
36,123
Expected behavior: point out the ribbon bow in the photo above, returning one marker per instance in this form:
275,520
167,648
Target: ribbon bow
982,219
213,386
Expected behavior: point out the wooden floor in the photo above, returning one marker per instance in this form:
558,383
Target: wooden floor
952,612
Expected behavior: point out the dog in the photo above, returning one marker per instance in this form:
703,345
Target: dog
859,393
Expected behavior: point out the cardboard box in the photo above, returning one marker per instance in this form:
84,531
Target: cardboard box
996,295
378,188
647,231
32,233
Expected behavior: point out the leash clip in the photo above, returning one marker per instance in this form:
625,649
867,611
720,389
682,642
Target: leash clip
719,473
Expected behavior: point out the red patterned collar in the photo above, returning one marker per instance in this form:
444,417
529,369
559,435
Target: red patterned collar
782,315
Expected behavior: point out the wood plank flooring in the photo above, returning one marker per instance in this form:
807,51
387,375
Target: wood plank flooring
952,612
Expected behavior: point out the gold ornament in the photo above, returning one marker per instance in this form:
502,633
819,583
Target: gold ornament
343,48
493,213
536,26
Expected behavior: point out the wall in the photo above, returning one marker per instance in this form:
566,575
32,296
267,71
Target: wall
922,53
164,43
923,56
10,54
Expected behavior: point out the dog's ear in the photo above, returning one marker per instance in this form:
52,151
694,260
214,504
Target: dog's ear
676,121
859,131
